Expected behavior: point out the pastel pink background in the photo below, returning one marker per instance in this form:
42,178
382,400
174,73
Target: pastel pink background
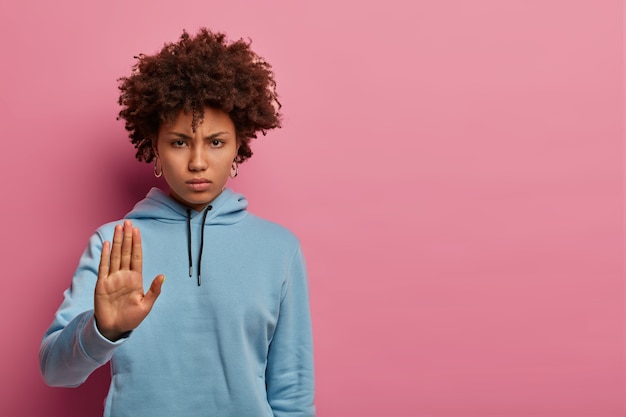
454,170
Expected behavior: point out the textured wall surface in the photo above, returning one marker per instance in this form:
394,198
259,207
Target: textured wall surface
454,170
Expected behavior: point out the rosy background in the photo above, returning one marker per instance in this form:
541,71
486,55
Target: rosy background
454,170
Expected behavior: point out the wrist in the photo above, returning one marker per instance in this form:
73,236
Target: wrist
110,334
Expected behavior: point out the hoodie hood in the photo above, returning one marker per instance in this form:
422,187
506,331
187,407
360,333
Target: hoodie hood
227,208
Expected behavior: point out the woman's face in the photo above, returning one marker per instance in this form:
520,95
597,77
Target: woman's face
196,165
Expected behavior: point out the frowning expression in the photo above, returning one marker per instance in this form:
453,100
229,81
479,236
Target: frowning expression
196,164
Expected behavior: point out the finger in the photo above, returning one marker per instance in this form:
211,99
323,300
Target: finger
154,291
103,268
116,249
136,256
127,245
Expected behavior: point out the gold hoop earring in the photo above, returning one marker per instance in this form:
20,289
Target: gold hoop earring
158,169
234,169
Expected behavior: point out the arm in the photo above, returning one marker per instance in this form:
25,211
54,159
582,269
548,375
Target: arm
289,374
105,302
72,348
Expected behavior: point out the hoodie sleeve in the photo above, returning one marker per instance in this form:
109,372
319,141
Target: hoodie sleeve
72,347
289,372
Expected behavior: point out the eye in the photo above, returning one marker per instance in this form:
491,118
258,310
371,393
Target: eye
178,143
216,143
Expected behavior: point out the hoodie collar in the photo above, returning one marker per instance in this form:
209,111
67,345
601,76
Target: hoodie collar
227,208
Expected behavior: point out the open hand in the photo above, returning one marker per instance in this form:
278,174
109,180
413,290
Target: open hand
120,304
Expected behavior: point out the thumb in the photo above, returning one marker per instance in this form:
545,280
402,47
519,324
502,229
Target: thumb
155,290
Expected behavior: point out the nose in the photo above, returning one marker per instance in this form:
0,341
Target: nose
198,160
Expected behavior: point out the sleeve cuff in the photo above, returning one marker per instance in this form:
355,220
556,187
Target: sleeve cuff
94,344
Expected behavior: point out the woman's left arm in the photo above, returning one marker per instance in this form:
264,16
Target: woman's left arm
289,374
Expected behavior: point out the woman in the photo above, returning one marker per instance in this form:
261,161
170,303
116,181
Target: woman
230,333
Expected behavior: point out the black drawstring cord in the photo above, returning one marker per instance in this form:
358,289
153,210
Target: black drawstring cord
189,241
202,242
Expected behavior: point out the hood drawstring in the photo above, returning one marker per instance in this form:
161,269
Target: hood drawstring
202,242
189,241
204,216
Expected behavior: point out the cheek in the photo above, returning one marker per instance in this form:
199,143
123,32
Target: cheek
226,160
167,163
172,164
224,167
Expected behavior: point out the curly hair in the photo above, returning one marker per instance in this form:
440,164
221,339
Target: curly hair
197,72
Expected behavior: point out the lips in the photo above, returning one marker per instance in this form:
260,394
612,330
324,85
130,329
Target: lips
198,184
198,181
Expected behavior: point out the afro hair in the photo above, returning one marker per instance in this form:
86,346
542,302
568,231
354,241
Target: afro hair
205,70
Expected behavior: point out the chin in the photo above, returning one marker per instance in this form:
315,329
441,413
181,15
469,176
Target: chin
205,198
194,200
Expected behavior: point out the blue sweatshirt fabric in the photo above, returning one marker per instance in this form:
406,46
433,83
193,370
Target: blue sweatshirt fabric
237,345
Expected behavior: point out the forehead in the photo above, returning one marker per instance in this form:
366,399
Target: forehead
210,120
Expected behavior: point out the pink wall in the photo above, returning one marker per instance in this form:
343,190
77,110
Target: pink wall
453,168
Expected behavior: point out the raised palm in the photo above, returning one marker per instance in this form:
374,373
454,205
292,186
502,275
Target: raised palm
120,304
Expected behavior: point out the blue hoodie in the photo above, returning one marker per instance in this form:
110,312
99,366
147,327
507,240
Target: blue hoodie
233,339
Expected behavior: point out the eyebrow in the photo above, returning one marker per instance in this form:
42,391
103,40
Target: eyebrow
184,136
